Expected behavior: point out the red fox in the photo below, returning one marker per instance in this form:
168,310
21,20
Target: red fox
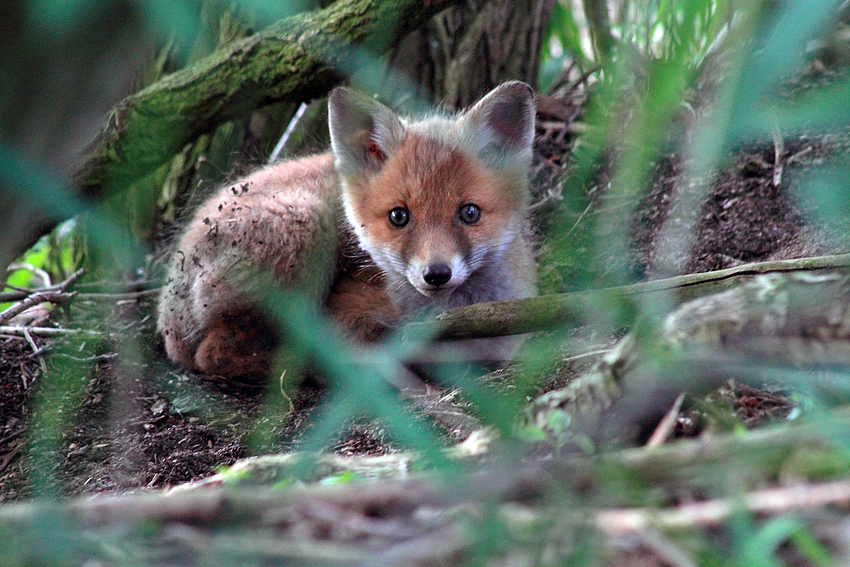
401,217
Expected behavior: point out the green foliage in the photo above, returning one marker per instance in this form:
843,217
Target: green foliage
563,46
53,258
658,30
757,544
361,383
643,83
344,477
187,22
736,61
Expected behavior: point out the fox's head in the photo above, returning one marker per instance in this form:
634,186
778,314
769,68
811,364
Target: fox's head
434,200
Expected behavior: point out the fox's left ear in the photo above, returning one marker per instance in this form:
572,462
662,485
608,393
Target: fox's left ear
503,123
364,132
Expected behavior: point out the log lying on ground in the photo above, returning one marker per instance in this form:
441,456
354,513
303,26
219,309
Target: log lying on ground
515,317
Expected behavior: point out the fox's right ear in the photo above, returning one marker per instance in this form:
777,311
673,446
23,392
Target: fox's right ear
364,132
503,124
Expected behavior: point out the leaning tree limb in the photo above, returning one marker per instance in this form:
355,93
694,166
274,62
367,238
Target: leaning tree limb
297,59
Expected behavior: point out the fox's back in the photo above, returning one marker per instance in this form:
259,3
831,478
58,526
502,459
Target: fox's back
280,221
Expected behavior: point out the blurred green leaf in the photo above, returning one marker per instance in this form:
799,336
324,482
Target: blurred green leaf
778,49
757,545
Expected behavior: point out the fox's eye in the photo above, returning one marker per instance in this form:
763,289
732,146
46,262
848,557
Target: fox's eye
470,213
399,217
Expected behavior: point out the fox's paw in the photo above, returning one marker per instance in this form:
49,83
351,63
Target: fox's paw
237,347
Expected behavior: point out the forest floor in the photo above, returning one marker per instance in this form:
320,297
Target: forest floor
138,422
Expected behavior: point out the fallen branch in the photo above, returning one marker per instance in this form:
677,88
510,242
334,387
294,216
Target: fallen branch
769,329
32,300
20,293
715,512
54,294
48,332
240,519
514,317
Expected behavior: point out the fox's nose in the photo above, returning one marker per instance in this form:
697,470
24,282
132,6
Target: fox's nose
437,274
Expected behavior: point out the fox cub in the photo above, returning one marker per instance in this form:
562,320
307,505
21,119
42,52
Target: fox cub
401,217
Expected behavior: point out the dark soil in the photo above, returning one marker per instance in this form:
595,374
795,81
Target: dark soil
18,369
139,422
751,214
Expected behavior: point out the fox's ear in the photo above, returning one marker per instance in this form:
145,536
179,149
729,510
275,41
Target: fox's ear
503,123
364,132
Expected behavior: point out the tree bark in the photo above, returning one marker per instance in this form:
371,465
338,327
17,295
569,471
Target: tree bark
467,51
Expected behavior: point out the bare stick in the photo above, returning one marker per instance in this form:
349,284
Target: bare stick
22,293
32,300
36,351
17,331
667,425
714,512
57,295
128,296
778,151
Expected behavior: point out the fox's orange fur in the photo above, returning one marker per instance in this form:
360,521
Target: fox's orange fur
401,217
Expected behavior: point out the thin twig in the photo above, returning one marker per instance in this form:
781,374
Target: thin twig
18,331
778,150
582,78
93,358
43,274
21,293
288,132
104,286
580,217
36,351
588,354
714,512
130,295
32,301
665,426
562,78
53,294
10,456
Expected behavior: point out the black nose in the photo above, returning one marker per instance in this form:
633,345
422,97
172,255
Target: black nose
437,274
